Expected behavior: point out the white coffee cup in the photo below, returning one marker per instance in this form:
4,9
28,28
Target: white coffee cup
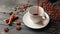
33,14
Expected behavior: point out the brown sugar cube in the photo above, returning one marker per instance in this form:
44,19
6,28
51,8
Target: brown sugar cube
18,27
6,29
18,23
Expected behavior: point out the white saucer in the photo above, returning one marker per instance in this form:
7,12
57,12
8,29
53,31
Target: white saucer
29,23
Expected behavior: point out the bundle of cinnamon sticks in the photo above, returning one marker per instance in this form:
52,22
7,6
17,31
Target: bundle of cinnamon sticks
11,19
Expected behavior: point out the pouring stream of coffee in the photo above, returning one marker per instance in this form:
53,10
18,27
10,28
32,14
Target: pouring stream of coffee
38,3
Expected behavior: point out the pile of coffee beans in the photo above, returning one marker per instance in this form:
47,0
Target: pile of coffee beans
51,10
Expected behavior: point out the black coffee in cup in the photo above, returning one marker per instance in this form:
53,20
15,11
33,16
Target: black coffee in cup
35,14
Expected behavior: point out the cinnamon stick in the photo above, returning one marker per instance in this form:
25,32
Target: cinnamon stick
11,19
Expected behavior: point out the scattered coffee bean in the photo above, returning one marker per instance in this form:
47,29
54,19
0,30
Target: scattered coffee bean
6,29
18,27
11,13
18,23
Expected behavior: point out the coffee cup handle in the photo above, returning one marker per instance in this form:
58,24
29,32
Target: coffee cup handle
43,17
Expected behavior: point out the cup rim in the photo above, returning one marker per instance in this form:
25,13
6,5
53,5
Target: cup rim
42,12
